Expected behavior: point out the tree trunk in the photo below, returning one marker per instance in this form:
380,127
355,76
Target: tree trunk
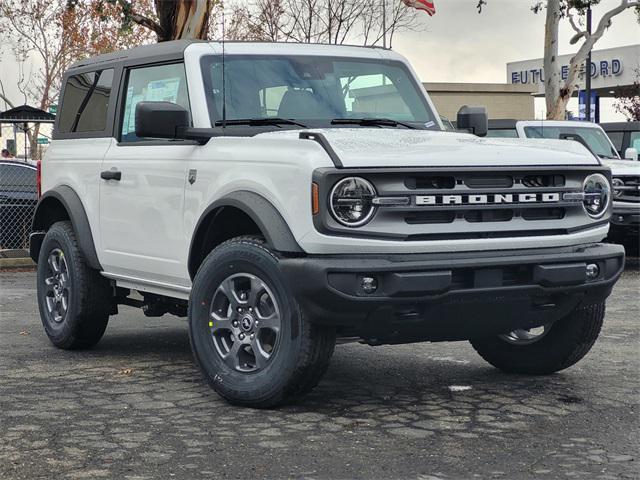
183,19
553,87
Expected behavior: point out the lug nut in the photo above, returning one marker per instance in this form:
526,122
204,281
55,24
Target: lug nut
252,336
241,336
256,323
234,323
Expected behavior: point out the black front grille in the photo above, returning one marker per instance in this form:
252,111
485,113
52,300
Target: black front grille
630,191
442,203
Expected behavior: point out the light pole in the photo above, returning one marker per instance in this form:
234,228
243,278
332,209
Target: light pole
587,85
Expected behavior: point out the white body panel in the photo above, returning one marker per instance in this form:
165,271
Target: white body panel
141,215
77,164
143,225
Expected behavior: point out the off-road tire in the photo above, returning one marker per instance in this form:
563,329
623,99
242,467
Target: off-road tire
568,341
90,293
304,349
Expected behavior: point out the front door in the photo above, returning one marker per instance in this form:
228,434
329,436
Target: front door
142,187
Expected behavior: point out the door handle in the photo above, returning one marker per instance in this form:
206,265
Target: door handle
111,175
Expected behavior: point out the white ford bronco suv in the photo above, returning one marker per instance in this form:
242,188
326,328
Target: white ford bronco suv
285,195
625,173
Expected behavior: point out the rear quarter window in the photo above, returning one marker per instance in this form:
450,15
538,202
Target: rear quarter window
86,102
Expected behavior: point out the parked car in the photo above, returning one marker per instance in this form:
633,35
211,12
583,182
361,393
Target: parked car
298,193
625,221
18,198
623,135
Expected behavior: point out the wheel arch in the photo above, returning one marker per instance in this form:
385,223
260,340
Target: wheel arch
248,213
59,204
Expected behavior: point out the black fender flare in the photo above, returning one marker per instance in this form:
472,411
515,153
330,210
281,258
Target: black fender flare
70,201
267,217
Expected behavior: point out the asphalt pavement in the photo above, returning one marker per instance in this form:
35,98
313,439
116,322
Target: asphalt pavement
136,407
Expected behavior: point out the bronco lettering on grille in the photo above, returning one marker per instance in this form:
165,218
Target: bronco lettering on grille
485,199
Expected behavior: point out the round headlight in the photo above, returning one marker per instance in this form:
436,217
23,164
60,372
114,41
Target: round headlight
351,201
617,183
597,194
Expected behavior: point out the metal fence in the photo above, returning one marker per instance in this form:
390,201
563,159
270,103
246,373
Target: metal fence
18,198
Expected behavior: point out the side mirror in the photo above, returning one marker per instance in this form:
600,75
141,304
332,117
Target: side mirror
161,120
474,119
631,154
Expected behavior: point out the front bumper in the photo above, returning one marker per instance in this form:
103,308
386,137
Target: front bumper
626,214
451,296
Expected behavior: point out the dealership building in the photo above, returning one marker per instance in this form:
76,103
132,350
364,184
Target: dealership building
612,70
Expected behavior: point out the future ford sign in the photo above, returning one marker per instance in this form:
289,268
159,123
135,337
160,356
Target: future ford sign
610,68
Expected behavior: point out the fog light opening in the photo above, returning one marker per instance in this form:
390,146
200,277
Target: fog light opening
593,271
369,284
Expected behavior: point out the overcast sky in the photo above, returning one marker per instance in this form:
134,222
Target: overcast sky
459,45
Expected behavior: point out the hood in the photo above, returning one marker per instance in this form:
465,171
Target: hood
622,167
385,147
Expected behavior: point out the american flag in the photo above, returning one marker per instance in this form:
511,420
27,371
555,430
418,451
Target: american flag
426,5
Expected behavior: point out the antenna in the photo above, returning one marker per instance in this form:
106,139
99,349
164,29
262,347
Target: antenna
224,79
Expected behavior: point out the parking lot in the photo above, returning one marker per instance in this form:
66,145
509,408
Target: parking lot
136,407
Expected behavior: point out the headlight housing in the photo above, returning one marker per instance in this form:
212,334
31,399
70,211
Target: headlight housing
617,183
597,195
351,201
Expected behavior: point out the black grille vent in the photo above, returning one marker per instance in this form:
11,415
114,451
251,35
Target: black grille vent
537,181
430,217
489,182
430,182
543,213
495,215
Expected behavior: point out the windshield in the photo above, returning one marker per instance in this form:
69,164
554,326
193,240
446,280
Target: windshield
502,133
595,138
313,90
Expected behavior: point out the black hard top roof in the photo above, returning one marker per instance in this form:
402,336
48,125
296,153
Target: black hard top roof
157,52
621,126
174,48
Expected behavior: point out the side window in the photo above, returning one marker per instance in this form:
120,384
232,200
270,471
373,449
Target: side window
162,83
616,138
14,177
502,133
86,101
634,141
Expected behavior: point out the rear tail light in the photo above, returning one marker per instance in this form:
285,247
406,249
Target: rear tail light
39,178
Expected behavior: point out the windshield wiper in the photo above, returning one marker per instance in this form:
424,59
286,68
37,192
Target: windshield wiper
607,157
254,122
380,122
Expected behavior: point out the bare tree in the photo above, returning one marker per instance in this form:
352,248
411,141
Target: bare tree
320,21
559,91
628,99
47,36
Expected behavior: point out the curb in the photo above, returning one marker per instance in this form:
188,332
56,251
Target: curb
6,263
